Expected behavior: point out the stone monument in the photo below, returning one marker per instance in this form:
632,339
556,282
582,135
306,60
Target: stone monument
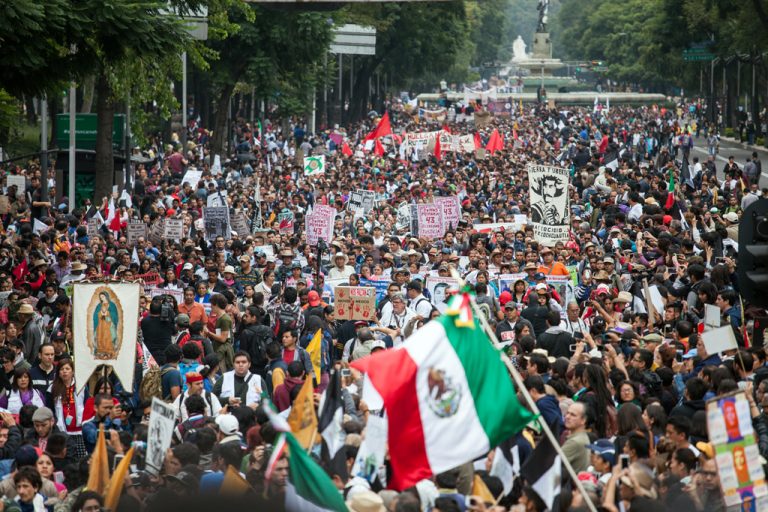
540,62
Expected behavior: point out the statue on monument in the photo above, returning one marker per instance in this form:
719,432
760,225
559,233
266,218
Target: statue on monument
518,49
543,8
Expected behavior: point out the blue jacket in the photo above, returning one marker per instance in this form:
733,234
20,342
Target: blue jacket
91,430
550,411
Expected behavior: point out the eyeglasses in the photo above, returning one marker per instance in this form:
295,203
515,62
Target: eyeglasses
710,474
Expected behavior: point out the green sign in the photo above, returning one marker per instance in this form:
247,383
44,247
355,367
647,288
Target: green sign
698,52
85,131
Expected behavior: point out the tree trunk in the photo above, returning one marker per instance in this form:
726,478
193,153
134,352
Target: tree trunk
54,105
89,84
220,121
29,105
105,166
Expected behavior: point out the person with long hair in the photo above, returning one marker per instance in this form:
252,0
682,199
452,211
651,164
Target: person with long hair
21,393
68,406
655,419
46,469
595,392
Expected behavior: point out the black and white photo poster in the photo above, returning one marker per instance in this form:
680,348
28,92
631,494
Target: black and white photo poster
161,422
549,203
216,219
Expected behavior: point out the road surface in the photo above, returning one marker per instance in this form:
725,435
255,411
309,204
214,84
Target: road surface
728,148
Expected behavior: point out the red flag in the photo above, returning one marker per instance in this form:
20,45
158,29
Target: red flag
438,150
495,143
382,129
514,133
378,149
478,141
345,150
115,225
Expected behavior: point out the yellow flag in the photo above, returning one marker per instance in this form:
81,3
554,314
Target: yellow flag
303,420
115,487
98,479
233,483
315,349
480,490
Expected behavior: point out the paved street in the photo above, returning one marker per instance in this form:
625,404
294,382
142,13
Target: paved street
728,148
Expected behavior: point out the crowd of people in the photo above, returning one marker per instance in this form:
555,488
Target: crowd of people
622,386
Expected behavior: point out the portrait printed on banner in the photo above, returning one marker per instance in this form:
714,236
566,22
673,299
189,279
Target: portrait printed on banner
105,324
546,202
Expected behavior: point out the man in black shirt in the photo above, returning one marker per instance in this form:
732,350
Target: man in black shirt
157,332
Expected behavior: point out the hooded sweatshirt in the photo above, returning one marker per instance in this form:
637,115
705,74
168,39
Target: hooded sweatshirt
282,396
550,411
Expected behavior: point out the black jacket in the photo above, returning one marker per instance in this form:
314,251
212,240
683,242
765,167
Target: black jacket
254,340
688,408
557,344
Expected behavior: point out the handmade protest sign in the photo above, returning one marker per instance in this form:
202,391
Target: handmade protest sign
549,203
355,302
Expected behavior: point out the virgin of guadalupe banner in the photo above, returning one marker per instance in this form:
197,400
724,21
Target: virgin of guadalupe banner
549,203
105,325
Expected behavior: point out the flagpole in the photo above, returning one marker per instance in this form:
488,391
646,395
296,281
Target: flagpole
522,389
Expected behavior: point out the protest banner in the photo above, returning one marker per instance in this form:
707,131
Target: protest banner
319,225
482,119
438,289
193,177
19,181
157,231
268,250
451,211
239,224
492,227
361,202
355,303
549,203
174,229
314,165
414,209
564,287
176,294
381,284
403,216
507,281
136,229
216,221
430,220
433,116
93,227
105,319
149,279
737,456
162,418
218,198
285,223
373,449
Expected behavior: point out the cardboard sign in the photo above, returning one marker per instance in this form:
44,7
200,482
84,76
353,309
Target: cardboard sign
361,202
216,221
5,205
174,229
430,220
176,294
403,216
136,229
355,303
736,452
162,418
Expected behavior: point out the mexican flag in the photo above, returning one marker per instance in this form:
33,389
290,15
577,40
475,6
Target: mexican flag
447,394
670,190
314,165
309,488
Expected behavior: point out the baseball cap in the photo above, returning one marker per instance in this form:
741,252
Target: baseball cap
25,456
691,354
604,448
505,297
182,320
538,276
541,287
378,344
187,266
313,298
228,424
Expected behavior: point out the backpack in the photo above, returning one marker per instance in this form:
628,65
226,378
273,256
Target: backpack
152,384
285,320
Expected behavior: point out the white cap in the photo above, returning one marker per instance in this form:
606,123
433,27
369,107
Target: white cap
228,424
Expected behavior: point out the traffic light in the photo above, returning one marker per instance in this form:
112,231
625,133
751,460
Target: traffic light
752,265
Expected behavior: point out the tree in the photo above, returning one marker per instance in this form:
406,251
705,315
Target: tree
277,54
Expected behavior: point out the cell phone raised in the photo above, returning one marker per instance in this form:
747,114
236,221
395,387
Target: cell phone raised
624,459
